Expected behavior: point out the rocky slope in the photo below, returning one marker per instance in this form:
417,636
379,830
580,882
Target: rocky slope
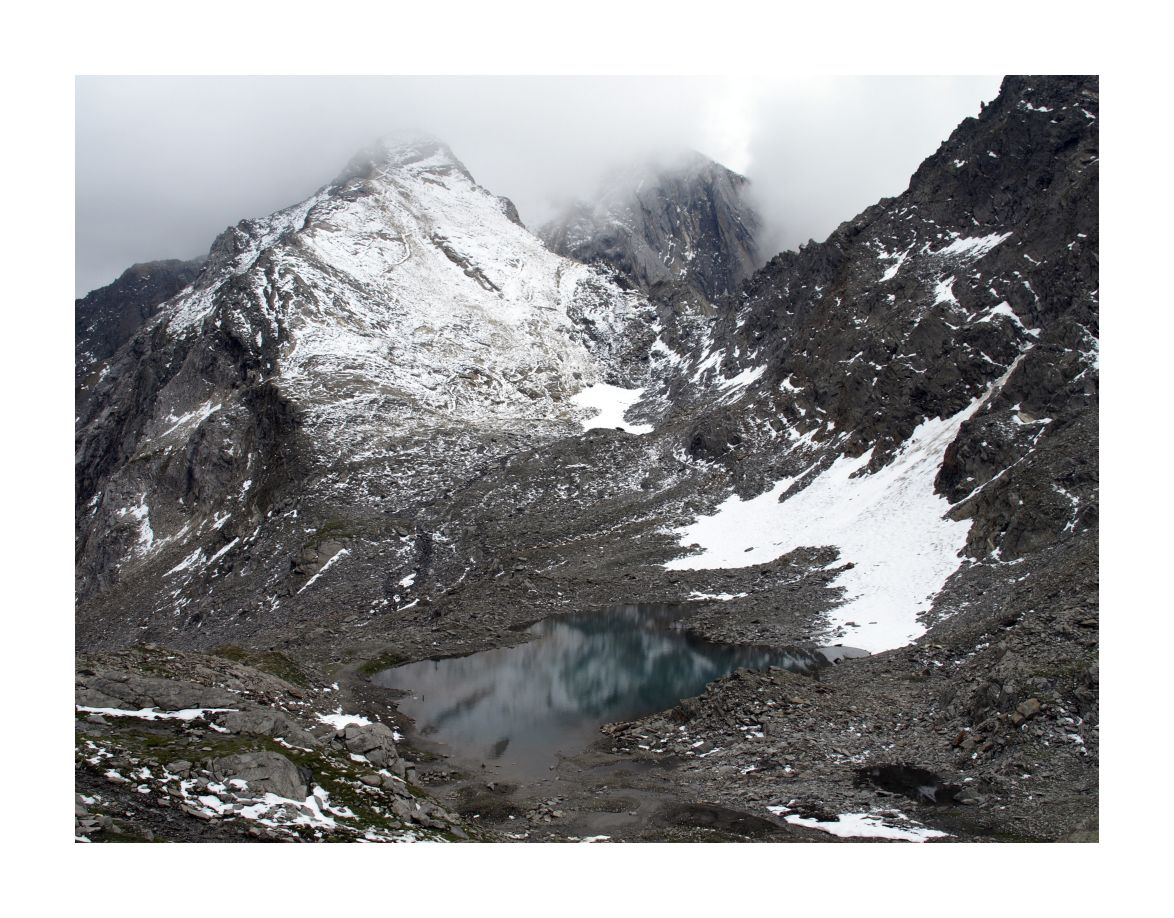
236,746
936,359
358,439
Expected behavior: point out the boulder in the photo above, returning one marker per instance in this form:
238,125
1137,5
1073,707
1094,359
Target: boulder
264,772
1028,709
268,722
375,742
129,691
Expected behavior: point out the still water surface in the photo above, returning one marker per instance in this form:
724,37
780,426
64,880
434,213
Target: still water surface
519,707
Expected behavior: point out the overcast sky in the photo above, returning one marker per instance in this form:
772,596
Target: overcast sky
166,163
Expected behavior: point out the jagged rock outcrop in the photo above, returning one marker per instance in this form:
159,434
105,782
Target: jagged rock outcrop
682,223
106,318
971,300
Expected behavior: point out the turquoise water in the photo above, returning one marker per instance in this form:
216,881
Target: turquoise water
522,706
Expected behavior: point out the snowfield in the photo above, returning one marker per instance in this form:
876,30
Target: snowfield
889,524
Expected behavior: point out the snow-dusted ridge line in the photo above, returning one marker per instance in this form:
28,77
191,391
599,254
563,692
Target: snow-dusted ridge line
890,524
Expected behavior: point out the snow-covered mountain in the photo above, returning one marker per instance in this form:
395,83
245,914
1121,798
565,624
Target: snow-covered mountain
408,278
400,306
379,348
382,424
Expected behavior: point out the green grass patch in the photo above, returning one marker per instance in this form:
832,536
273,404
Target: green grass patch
384,660
270,661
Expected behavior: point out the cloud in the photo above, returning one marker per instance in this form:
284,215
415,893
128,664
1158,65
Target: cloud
163,164
729,122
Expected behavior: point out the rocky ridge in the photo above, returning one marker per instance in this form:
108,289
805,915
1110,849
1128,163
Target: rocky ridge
108,317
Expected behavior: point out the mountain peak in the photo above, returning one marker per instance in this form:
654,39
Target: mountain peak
678,218
413,150
680,167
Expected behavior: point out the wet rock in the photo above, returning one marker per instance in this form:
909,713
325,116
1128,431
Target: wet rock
914,782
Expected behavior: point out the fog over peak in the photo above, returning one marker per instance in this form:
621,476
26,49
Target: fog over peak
165,163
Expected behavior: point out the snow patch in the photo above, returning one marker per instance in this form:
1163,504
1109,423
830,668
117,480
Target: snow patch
609,404
723,597
736,384
1004,309
944,291
341,553
974,246
153,714
338,720
893,825
900,260
191,560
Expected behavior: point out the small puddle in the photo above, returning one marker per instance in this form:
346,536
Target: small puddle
519,707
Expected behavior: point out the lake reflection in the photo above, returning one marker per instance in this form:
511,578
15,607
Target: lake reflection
522,705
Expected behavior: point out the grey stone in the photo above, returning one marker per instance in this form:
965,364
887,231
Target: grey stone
268,722
133,692
264,772
373,741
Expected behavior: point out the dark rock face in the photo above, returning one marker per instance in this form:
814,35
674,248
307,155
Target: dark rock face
684,224
986,267
106,318
910,780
